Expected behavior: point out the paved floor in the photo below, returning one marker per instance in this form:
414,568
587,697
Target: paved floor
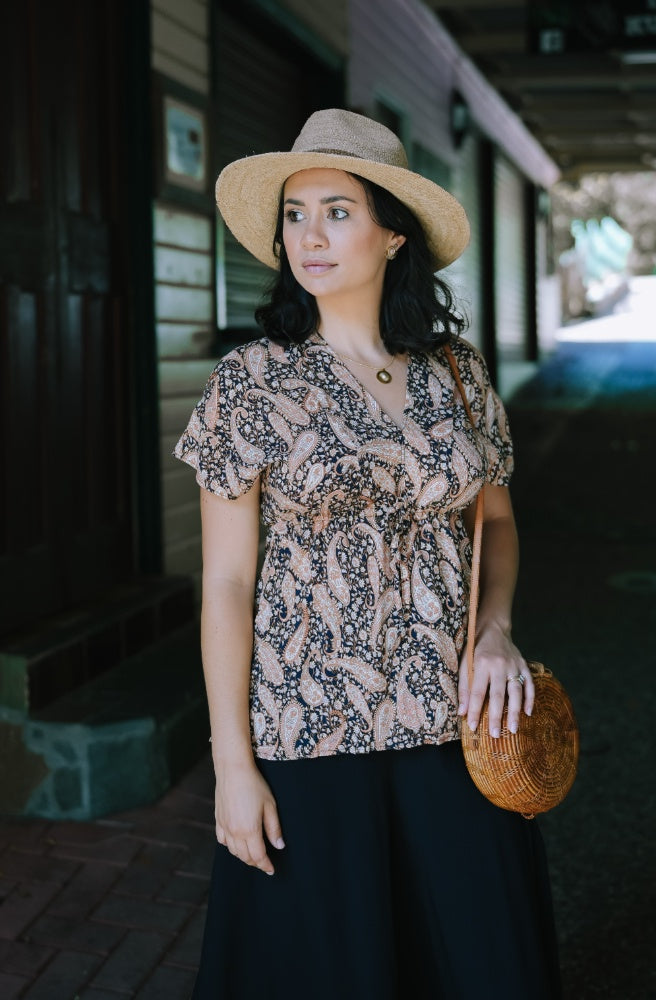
110,909
585,434
114,909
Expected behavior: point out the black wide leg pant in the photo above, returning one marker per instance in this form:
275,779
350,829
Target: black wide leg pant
399,881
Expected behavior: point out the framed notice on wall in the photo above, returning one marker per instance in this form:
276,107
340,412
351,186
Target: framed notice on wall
185,145
182,146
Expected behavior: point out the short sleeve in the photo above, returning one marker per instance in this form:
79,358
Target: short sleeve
489,413
225,440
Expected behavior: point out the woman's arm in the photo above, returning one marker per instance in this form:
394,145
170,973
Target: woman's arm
244,803
497,658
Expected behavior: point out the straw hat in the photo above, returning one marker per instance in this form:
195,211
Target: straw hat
248,190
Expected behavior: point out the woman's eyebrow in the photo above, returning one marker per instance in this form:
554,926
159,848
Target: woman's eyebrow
324,201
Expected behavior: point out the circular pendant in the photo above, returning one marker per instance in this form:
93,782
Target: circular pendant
383,376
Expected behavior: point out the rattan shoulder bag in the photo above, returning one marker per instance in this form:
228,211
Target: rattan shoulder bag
532,770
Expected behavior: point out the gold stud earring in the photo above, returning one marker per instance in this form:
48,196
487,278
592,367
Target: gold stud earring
392,252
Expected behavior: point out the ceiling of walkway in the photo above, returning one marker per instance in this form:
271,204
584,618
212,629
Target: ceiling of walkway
590,99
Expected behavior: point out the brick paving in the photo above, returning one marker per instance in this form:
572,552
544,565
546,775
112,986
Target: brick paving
109,909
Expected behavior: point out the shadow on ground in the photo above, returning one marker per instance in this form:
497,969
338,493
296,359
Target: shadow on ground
585,429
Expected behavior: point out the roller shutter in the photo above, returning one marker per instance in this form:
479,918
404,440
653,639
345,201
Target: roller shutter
510,260
464,275
266,88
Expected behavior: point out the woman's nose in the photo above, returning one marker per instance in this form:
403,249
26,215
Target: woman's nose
314,234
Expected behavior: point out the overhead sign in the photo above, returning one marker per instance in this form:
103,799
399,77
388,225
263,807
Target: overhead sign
570,26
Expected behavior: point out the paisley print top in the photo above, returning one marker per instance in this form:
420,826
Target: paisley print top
361,602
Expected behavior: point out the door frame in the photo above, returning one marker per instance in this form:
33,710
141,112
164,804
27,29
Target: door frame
139,187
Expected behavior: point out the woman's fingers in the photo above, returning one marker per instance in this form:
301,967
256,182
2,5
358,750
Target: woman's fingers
529,690
476,699
257,855
272,825
515,697
251,850
506,683
521,695
245,810
249,845
497,701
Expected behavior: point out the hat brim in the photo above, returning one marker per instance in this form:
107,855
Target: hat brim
248,193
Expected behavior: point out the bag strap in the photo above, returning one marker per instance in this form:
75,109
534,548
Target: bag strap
478,534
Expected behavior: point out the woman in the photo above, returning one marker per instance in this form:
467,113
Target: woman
334,701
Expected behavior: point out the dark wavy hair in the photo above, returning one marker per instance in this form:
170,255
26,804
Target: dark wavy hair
418,310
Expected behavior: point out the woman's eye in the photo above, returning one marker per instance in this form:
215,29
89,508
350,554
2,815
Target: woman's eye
338,213
293,215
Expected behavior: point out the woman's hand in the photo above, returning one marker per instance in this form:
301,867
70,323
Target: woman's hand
245,809
497,665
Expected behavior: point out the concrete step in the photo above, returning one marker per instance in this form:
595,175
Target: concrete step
59,654
116,742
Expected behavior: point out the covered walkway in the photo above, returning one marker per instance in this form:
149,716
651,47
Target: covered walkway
114,909
585,433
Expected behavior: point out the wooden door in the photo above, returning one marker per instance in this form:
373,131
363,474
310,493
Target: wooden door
65,498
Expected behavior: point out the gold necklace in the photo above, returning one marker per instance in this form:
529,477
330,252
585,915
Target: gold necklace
382,374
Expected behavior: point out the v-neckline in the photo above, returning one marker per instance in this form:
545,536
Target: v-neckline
319,341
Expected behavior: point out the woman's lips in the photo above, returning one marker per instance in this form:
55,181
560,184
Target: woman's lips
317,266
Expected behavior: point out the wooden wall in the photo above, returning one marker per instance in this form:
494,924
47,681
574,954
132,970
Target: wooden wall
395,59
400,57
402,45
184,305
180,41
401,54
392,60
184,287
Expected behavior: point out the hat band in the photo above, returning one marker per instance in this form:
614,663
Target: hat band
335,152
353,156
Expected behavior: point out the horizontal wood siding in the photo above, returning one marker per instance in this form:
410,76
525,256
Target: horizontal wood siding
391,59
266,86
184,289
400,47
184,307
181,385
395,61
179,46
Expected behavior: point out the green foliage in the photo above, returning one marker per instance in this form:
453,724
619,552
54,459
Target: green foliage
630,199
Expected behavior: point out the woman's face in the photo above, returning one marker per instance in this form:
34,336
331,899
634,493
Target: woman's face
333,245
